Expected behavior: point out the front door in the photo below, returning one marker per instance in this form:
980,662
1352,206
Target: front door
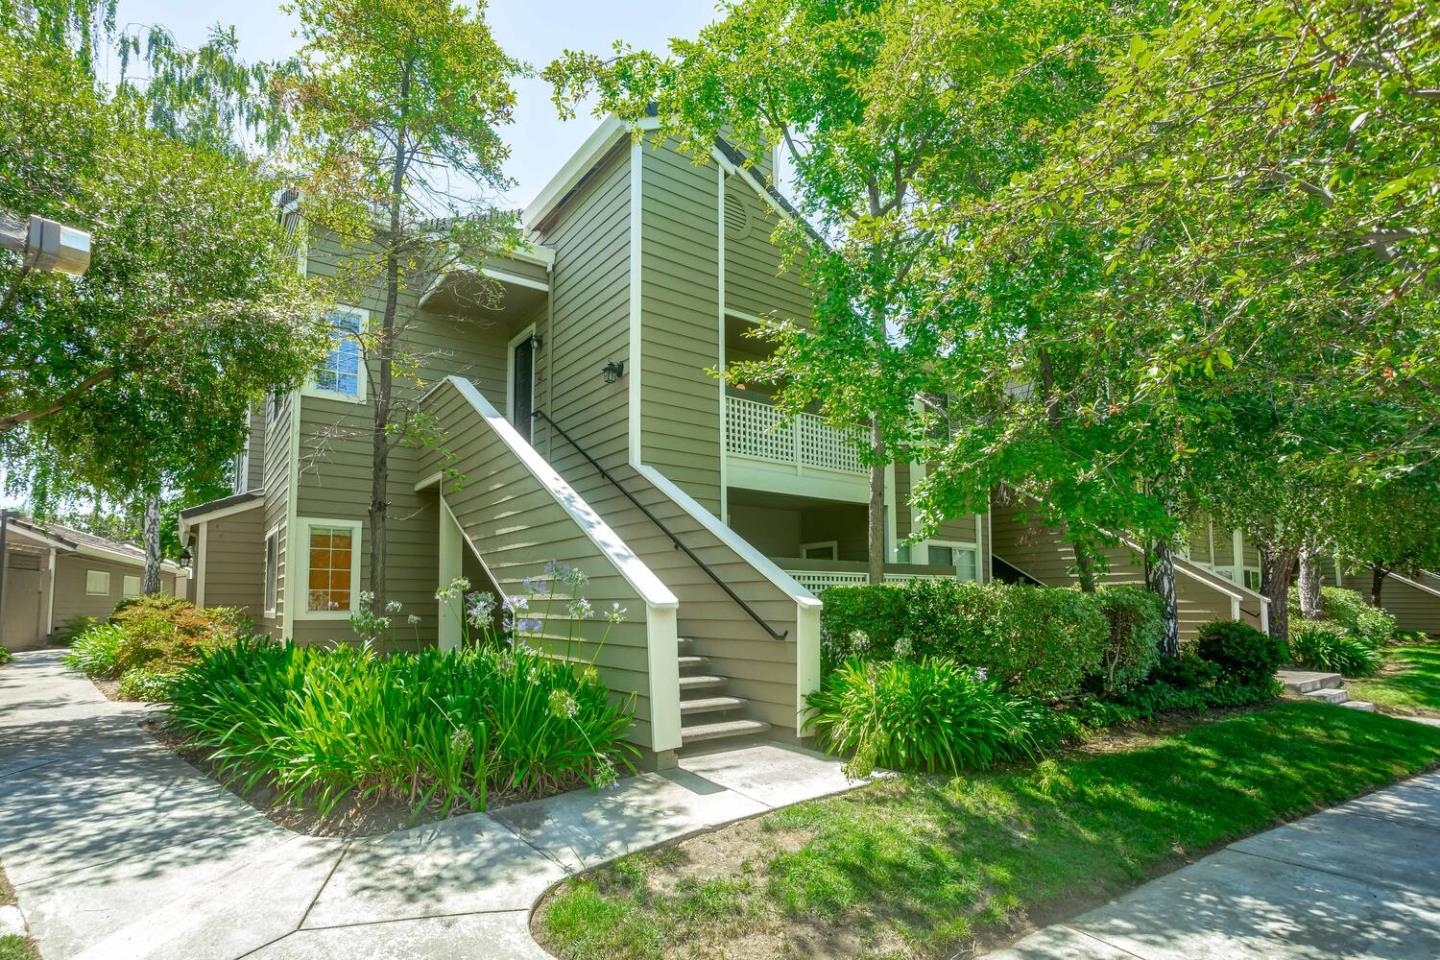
523,387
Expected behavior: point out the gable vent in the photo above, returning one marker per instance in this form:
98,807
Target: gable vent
737,217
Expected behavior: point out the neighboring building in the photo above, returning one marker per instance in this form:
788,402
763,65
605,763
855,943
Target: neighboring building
577,422
54,574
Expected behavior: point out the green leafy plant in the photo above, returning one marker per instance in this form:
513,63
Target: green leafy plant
1035,641
930,715
71,629
1374,626
146,684
431,729
5,656
1137,625
1326,645
1243,654
96,651
158,633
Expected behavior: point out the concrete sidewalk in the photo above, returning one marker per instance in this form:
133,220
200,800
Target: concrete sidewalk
118,849
1361,880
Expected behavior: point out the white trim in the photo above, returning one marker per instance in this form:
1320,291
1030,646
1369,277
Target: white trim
955,545
581,162
755,185
1237,560
50,608
125,591
357,530
514,279
807,658
362,376
721,346
242,459
426,482
1413,583
662,667
13,529
102,553
892,532
834,546
627,564
741,314
510,346
292,518
451,562
202,553
265,573
637,164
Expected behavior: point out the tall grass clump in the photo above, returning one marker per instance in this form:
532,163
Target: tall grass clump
433,729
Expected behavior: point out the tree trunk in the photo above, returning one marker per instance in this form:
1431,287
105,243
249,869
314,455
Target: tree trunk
876,536
1084,566
1160,578
151,582
1378,573
1277,567
1312,601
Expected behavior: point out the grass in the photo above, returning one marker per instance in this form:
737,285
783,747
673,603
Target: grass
13,946
925,867
1408,683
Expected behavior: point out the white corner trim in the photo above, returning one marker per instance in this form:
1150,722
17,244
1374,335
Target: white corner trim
892,532
50,606
807,658
745,174
721,348
662,655
220,514
761,563
292,520
621,557
637,165
357,529
202,547
430,481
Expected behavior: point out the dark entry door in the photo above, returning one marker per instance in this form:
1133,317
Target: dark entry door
522,403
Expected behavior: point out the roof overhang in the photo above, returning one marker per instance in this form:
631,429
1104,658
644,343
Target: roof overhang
216,509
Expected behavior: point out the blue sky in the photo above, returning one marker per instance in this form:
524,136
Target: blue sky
528,30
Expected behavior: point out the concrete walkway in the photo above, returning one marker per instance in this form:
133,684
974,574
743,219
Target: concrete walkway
1361,880
118,849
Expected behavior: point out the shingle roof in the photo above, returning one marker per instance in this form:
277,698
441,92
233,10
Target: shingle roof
75,538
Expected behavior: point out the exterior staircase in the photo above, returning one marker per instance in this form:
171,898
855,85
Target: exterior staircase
706,711
1326,687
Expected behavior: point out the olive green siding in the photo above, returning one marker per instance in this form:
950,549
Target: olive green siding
255,450
755,284
774,531
235,562
963,529
279,424
1042,553
517,527
1414,608
680,316
72,601
336,451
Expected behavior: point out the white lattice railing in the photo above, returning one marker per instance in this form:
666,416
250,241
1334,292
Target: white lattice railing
757,429
819,580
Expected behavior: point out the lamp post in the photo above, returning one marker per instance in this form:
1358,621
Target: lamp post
46,244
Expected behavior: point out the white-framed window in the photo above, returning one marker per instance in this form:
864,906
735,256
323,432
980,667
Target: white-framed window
130,586
241,462
272,561
820,550
1252,579
963,558
341,372
330,568
97,583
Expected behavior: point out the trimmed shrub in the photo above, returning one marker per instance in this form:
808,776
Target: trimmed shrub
96,651
431,729
158,633
1185,672
1243,654
1036,641
1326,645
1349,610
930,715
1136,620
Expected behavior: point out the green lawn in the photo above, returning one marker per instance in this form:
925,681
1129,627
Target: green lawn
921,867
1409,683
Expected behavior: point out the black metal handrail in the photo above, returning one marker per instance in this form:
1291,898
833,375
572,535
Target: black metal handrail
679,544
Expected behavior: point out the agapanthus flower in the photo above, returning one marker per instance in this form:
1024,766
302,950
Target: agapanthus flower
393,606
580,608
563,706
616,613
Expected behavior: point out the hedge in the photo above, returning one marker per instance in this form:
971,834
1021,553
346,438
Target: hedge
1352,612
1037,641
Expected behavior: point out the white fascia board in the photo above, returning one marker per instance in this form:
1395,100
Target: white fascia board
14,529
100,553
581,162
1416,584
640,577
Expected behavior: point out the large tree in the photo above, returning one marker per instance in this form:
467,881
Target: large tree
398,106
881,109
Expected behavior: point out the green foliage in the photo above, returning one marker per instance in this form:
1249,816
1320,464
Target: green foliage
1137,626
5,656
1036,641
145,684
1372,626
71,629
435,729
1186,672
1325,645
930,715
96,651
1243,654
152,636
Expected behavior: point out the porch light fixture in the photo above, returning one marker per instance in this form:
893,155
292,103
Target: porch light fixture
536,341
614,370
185,555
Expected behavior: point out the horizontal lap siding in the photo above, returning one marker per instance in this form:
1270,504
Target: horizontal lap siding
255,452
335,443
754,281
517,527
235,562
680,297
1413,609
277,502
72,601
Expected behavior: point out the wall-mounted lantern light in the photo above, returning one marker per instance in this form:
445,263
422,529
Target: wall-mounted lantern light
535,342
614,370
186,556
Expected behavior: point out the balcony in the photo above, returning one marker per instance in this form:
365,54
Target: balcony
767,450
819,575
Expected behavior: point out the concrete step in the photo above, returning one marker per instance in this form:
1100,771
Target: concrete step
699,681
1364,706
1327,694
725,728
710,705
690,662
1304,681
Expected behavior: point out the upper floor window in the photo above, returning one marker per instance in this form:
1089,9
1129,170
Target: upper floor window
342,371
